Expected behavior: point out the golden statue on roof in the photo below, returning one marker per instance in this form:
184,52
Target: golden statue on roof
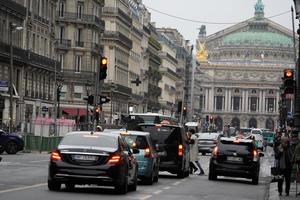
202,53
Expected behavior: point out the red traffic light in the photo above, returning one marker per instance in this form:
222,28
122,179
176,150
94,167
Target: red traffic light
288,73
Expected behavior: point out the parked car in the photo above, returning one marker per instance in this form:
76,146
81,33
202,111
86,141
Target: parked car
148,160
207,142
172,146
235,158
93,158
11,143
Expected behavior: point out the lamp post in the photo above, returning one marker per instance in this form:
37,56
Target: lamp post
297,76
12,28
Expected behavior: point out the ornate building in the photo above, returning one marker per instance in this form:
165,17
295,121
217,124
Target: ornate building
243,66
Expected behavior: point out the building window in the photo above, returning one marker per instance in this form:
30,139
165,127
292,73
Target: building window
78,60
79,42
253,104
236,91
253,91
61,33
202,101
219,90
219,102
61,9
270,104
271,92
33,42
79,10
61,60
77,95
236,103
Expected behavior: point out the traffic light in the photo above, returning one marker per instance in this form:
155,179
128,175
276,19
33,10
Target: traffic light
184,111
103,68
104,99
90,99
288,81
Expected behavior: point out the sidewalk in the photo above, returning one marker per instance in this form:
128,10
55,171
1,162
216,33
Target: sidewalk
273,192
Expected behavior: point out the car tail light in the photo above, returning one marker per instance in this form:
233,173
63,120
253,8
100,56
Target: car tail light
148,153
114,159
180,150
215,151
255,155
55,155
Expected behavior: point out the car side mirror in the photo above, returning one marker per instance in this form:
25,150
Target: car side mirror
261,154
135,151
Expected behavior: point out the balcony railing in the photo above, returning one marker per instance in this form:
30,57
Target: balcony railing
79,44
121,38
80,18
63,43
86,75
117,11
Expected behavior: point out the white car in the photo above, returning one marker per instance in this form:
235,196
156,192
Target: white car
256,131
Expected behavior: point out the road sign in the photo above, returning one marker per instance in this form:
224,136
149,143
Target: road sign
45,109
4,85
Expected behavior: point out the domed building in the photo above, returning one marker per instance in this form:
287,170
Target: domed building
242,68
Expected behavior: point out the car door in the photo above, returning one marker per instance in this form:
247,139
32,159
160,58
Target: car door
132,163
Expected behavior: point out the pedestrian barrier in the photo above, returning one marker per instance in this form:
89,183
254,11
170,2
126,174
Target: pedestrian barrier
40,143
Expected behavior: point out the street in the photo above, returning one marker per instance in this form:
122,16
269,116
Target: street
24,176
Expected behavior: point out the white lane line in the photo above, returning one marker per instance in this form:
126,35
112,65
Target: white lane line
145,197
5,163
177,183
157,192
22,188
36,161
166,188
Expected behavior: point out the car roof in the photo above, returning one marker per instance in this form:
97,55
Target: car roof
231,139
90,133
129,132
152,124
149,114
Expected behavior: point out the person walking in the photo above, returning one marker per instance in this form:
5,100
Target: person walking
285,162
194,153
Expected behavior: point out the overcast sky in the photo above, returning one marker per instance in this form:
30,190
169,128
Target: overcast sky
220,11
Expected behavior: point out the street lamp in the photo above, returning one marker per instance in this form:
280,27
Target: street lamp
297,77
12,28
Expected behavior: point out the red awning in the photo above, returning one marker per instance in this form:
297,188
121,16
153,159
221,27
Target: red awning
75,111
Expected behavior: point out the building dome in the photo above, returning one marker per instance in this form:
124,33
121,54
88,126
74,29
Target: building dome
257,38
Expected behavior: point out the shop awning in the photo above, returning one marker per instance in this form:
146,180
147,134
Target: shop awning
74,111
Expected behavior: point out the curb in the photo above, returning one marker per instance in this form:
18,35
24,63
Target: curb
273,192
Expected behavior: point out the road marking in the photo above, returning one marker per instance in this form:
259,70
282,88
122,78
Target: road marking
22,188
177,183
5,163
145,197
36,161
166,188
158,192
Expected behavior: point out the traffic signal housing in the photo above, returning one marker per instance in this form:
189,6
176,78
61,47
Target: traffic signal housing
184,111
288,81
103,68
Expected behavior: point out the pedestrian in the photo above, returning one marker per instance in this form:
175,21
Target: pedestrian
285,162
194,153
99,129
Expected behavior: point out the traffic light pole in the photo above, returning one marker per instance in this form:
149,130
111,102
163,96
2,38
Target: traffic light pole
297,90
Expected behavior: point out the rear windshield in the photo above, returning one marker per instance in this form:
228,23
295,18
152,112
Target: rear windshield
268,134
256,132
163,134
136,141
90,140
242,147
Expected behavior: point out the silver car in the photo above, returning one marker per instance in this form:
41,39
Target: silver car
207,142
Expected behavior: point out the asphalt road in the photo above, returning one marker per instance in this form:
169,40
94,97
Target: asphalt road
23,176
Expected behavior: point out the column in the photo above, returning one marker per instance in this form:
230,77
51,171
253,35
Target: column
260,101
226,100
247,101
229,101
243,101
206,98
264,101
211,100
277,100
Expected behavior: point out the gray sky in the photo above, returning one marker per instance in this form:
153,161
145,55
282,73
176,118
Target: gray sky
224,11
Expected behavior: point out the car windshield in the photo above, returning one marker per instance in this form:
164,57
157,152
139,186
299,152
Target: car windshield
163,134
241,147
90,140
212,136
136,141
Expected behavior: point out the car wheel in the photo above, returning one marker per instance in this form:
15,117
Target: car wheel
70,186
121,186
187,173
54,185
255,178
181,174
149,180
11,148
212,174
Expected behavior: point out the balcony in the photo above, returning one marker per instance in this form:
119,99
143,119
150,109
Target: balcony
80,18
27,57
118,37
117,12
62,44
79,44
74,75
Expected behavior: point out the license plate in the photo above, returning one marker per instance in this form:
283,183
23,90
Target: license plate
84,157
236,159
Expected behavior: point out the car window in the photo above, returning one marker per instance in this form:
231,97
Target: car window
268,134
90,140
163,134
241,147
139,142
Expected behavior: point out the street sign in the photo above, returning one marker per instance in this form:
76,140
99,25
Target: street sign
4,85
45,109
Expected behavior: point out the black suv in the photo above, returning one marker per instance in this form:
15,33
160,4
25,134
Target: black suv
236,158
172,146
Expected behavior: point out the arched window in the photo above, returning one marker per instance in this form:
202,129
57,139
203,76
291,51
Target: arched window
252,123
235,122
270,124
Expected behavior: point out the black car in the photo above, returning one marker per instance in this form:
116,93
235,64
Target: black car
235,158
172,146
93,158
10,142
